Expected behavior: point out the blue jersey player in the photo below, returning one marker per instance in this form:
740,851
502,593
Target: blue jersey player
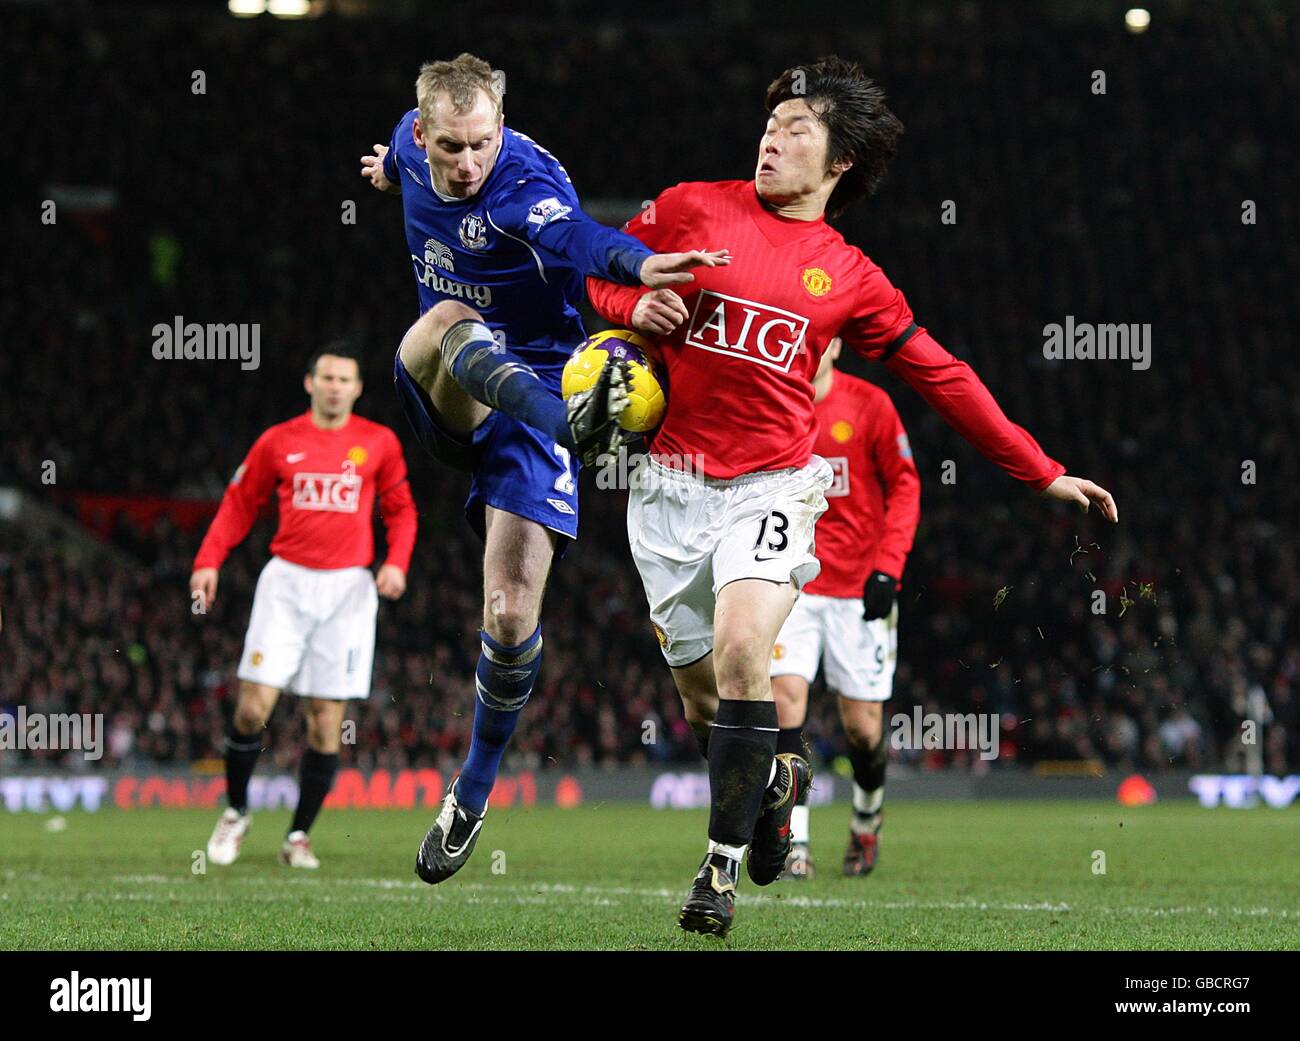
501,249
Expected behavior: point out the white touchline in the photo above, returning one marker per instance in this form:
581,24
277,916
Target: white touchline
542,890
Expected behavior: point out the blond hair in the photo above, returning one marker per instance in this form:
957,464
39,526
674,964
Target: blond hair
460,79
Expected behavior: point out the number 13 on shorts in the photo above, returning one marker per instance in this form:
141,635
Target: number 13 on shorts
773,537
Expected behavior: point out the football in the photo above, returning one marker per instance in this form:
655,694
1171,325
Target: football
646,406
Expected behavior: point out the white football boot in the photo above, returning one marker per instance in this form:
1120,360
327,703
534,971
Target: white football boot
232,826
296,851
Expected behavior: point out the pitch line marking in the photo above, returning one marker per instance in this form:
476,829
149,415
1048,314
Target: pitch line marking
541,890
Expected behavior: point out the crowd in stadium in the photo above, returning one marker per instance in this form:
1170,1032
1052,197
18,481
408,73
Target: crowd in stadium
239,214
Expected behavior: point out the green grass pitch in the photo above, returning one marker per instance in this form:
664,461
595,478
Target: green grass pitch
973,875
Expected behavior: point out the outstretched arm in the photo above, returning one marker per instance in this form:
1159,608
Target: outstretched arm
883,330
652,308
954,391
564,235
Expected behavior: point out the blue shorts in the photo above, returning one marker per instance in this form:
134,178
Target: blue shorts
515,467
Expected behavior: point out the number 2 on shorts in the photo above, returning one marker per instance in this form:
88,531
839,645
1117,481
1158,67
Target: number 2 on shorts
563,483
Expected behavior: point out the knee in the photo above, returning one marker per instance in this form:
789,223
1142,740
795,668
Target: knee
250,717
422,345
510,616
741,664
699,707
863,730
441,317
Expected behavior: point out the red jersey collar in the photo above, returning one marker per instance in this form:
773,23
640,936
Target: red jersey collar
777,229
306,418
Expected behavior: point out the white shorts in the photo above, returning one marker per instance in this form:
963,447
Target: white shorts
691,535
859,656
312,632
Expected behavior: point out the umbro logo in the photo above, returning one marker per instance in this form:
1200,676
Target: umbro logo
561,505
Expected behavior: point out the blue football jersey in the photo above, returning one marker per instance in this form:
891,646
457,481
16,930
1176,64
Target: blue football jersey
518,251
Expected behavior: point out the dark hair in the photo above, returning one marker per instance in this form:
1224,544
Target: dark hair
852,107
337,349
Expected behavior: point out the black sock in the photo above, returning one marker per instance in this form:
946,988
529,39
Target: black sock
315,777
869,769
702,741
741,747
242,751
790,739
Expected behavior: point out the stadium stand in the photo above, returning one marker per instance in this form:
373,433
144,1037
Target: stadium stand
233,214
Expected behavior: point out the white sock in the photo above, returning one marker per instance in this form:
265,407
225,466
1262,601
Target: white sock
799,824
734,852
867,802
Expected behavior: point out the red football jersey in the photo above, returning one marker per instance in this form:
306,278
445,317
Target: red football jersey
326,481
739,369
874,504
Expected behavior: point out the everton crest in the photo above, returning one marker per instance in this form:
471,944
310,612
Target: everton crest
473,232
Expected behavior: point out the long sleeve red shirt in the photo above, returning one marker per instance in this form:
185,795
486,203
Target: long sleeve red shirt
739,370
326,483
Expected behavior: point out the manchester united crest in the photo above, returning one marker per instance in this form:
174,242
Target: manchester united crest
816,281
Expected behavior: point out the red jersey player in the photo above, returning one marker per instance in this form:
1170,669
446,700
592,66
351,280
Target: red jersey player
312,629
846,620
723,553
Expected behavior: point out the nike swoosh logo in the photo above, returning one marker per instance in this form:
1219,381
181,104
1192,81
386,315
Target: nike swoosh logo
760,560
295,457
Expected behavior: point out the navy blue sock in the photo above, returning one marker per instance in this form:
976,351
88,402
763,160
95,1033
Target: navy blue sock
494,375
504,679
